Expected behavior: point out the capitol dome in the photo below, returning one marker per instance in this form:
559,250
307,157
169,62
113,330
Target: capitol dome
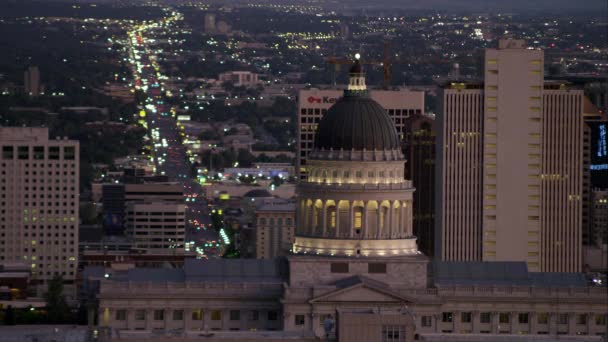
356,122
355,201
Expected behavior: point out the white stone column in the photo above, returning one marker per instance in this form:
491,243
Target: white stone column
351,214
130,319
403,221
187,319
149,318
495,322
324,218
379,230
389,221
410,218
571,323
311,228
364,221
337,228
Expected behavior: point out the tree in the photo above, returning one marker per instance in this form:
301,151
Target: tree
245,158
56,306
9,316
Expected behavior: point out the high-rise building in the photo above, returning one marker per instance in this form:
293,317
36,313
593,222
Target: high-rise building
39,181
420,168
511,161
274,229
156,225
31,81
210,23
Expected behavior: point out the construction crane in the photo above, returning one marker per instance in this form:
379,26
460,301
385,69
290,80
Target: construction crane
385,62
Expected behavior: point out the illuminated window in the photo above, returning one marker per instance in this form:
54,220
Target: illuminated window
532,243
216,315
197,315
332,218
358,218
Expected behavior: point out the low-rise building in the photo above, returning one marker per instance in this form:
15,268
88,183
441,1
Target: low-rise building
274,228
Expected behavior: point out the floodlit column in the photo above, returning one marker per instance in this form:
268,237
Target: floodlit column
324,218
312,219
379,230
388,221
337,229
351,214
364,221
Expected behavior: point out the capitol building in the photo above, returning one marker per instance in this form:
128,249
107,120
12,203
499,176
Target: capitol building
355,273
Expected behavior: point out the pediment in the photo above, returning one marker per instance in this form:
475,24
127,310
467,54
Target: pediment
361,293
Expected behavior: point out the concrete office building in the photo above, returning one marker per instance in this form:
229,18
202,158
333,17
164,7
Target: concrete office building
510,166
156,225
39,180
31,81
274,228
209,24
355,273
240,78
420,168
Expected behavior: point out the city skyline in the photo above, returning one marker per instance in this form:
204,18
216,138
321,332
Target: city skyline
302,171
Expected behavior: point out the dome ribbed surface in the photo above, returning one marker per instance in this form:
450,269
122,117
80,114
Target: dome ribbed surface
357,122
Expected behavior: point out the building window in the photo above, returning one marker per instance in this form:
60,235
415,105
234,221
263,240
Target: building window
121,315
581,319
7,152
54,152
447,317
427,321
339,267
299,320
254,315
235,315
503,317
485,317
197,315
465,317
159,315
140,315
38,152
542,318
562,319
358,218
393,333
178,315
376,267
523,318
23,152
600,319
216,315
273,315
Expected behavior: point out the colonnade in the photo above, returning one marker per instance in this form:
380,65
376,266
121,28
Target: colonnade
346,219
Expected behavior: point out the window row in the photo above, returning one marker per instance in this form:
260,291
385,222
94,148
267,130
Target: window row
521,318
37,152
196,315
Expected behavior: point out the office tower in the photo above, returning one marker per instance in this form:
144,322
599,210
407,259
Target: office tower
420,168
313,104
209,23
510,151
274,229
156,225
31,81
39,201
